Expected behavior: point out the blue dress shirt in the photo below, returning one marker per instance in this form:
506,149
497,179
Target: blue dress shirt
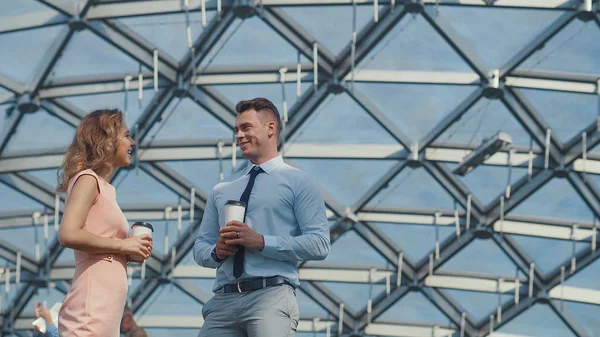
285,207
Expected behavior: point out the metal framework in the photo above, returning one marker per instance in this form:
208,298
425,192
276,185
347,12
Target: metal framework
549,159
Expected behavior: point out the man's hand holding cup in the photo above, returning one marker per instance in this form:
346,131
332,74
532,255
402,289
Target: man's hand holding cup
236,232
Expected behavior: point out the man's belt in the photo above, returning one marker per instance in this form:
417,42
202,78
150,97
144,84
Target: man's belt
254,284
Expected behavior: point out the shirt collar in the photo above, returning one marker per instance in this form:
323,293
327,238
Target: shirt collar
268,166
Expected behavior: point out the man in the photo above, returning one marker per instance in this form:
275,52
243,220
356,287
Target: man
257,260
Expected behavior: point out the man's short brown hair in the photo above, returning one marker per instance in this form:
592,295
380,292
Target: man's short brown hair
261,105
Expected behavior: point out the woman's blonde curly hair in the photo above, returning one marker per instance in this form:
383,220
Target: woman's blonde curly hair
94,145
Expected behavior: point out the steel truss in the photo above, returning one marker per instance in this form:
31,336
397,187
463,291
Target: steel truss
553,161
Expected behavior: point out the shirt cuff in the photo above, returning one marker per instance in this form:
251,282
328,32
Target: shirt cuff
270,245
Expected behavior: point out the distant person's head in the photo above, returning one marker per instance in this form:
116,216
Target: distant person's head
257,129
101,143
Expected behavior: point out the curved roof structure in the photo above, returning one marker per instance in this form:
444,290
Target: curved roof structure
454,142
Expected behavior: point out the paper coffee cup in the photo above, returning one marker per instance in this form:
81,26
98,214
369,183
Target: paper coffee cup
234,210
137,229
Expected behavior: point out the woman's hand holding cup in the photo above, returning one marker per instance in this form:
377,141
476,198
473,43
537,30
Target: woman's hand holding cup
138,247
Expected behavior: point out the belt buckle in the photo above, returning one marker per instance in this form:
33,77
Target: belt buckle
238,287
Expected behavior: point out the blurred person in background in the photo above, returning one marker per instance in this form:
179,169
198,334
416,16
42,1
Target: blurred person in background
129,327
41,310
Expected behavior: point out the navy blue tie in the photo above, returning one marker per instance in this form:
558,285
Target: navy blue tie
238,260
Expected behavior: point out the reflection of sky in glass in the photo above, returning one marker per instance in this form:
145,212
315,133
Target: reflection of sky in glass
415,109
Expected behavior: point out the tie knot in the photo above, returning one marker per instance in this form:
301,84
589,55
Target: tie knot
256,170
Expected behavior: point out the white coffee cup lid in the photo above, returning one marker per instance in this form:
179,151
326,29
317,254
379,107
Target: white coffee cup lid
235,203
143,224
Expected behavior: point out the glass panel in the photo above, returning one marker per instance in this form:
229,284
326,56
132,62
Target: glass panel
250,42
55,134
308,307
47,176
427,106
14,201
416,241
479,306
413,307
87,54
571,49
418,45
340,120
350,250
331,25
586,278
89,103
346,180
10,8
38,41
169,296
185,120
168,32
549,254
503,32
567,113
488,183
481,257
138,188
413,188
354,296
484,119
586,314
556,199
538,321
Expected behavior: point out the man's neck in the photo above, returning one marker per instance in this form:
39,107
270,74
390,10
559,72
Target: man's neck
264,159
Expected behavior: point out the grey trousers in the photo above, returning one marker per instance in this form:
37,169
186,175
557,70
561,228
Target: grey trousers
268,312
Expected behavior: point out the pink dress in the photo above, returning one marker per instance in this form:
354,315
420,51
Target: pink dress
95,302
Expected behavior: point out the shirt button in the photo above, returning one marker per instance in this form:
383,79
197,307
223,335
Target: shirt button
110,257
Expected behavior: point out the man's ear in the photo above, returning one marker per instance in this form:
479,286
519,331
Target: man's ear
271,128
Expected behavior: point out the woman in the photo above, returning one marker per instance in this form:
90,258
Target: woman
94,226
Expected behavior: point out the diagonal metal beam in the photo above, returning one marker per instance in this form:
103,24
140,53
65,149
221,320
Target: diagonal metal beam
66,7
455,188
50,58
379,116
448,249
520,258
379,185
131,44
27,21
509,313
383,303
192,290
174,182
538,42
573,149
587,190
569,320
384,246
297,37
368,38
447,32
215,104
11,85
303,108
152,114
521,190
328,301
449,308
9,128
531,120
450,118
63,110
206,41
30,187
